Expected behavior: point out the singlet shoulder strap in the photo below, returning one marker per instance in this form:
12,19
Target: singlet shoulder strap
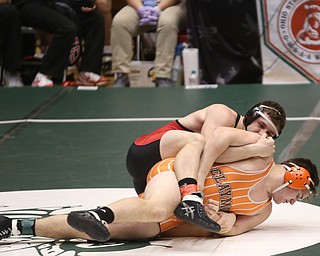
184,128
237,120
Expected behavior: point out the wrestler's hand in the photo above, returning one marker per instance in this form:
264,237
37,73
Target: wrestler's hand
212,207
265,146
226,221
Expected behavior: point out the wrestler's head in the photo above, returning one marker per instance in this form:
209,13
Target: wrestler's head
267,116
300,181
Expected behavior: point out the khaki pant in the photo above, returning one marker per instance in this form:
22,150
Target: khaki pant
125,25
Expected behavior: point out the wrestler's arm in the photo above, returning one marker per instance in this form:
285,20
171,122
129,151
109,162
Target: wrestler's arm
219,115
241,225
245,223
223,138
262,148
224,219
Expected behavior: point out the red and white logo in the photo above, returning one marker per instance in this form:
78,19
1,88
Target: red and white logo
75,52
292,31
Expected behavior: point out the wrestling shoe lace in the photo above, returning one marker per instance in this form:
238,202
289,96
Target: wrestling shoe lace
191,210
90,223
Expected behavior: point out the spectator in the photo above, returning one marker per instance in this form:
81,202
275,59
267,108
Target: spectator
10,44
135,18
104,8
66,20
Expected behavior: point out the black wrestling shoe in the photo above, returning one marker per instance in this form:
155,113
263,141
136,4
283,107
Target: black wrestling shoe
90,223
5,227
191,210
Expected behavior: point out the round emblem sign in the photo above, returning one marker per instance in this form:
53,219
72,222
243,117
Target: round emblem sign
299,29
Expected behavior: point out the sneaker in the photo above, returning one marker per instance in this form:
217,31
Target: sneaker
91,79
191,210
122,80
163,82
5,227
12,79
90,223
42,80
69,83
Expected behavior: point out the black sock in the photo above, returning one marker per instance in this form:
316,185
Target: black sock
26,226
187,181
105,214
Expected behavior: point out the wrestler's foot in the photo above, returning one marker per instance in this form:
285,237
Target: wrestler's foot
90,223
5,227
191,210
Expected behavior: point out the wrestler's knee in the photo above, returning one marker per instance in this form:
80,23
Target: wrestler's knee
197,139
160,212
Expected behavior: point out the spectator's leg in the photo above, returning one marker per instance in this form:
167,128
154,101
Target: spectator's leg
92,27
170,21
63,30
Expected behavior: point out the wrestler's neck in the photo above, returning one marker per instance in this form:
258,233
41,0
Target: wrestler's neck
275,178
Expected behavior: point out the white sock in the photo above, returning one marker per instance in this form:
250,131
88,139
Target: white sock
15,230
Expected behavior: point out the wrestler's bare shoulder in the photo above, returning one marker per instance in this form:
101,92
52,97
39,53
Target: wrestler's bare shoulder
218,108
212,109
215,113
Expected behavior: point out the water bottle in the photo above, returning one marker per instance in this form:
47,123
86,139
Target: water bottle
151,3
193,79
177,69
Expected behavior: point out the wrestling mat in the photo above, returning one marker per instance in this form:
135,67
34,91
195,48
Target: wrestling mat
289,228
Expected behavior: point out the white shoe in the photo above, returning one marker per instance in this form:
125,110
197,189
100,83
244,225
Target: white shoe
42,80
12,79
